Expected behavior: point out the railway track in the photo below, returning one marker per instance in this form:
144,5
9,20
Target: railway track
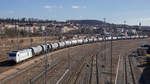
97,71
75,58
131,69
94,76
94,79
132,73
91,72
88,74
39,64
63,57
78,72
129,75
125,64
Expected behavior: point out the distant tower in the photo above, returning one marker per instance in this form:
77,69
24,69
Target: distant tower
140,26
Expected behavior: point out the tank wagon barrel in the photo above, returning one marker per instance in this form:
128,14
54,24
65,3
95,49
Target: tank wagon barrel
80,41
55,46
74,42
44,48
90,40
68,43
37,50
85,41
95,40
61,44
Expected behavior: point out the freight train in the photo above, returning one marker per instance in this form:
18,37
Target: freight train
24,54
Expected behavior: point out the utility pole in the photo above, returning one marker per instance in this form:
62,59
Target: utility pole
104,43
140,26
46,60
30,33
124,25
111,59
104,61
69,50
18,34
42,36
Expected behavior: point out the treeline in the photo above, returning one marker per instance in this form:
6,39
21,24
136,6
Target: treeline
24,20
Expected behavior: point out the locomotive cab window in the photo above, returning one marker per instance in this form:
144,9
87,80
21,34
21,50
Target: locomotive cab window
12,55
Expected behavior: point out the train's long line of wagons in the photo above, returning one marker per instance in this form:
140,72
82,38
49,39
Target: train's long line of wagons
24,54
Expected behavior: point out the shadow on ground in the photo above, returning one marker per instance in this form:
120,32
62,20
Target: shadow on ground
7,63
145,76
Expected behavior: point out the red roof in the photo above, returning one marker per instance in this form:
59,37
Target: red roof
1,25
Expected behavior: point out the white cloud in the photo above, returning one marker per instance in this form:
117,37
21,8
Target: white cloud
47,6
75,6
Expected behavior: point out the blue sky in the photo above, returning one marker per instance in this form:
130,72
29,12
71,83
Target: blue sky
115,11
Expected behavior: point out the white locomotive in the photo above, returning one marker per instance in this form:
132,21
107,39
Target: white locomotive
20,55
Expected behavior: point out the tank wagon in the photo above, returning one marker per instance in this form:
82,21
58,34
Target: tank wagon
100,39
74,42
61,45
85,41
91,40
68,43
36,50
95,40
80,41
55,46
44,48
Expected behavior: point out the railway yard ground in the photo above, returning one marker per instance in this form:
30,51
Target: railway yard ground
82,64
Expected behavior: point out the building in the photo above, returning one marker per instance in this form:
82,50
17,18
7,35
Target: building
9,26
68,28
131,31
1,29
